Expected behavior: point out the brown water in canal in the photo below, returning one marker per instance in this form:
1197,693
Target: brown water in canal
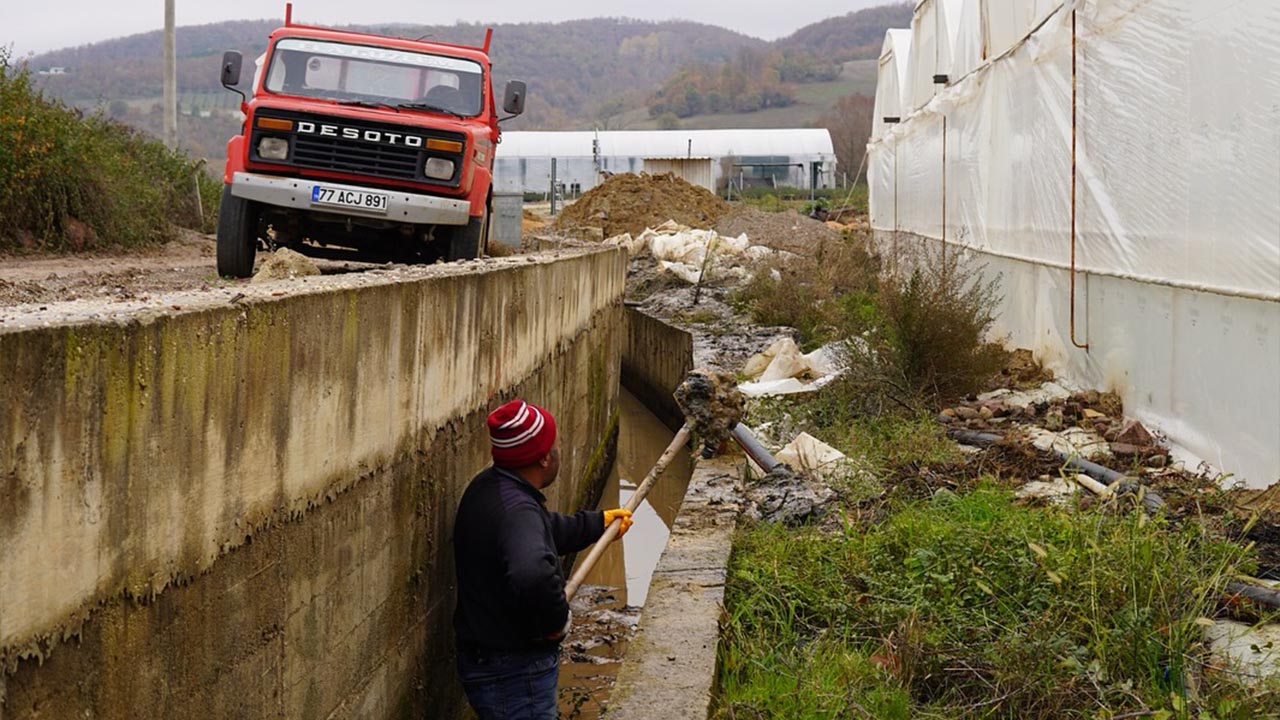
607,607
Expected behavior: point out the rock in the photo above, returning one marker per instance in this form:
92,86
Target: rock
946,419
1134,433
985,412
284,264
965,412
1091,414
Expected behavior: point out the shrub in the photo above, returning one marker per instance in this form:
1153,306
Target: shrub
70,182
812,294
926,334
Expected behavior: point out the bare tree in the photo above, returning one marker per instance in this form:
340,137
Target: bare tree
849,122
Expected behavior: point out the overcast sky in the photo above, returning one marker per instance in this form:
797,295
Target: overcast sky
34,27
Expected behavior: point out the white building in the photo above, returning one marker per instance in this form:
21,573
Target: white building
800,158
1118,164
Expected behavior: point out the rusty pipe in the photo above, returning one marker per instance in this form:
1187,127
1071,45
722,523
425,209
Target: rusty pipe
1074,105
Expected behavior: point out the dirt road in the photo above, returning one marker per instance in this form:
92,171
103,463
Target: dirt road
187,263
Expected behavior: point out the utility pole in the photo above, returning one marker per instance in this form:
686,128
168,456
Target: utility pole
170,80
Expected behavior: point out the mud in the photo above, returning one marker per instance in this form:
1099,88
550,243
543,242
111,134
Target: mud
185,264
630,203
711,401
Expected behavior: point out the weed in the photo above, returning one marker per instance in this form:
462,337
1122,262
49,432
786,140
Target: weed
814,294
972,607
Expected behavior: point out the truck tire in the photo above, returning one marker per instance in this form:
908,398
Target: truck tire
466,242
237,235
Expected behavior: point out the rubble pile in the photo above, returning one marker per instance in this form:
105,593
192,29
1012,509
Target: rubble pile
1089,423
629,203
788,230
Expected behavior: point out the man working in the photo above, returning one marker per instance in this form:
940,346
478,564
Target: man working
512,613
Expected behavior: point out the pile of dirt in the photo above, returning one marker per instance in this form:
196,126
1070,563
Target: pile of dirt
284,264
631,203
788,230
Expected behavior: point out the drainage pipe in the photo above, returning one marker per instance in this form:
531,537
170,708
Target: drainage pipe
754,450
1151,502
1257,593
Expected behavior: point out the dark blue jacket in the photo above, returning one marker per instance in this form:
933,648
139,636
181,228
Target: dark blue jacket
507,548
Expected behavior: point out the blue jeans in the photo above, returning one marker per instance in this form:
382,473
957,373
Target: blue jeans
511,685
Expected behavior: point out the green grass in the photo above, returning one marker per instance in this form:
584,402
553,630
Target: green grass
973,607
74,182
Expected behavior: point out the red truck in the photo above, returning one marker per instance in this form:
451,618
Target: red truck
355,141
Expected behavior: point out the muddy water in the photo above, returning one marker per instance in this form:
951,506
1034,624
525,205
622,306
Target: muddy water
607,607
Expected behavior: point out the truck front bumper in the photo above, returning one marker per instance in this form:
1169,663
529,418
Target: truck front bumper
401,206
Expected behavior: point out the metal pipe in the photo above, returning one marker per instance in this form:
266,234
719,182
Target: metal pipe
1074,103
944,201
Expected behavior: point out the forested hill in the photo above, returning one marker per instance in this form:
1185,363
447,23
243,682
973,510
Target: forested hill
573,68
853,36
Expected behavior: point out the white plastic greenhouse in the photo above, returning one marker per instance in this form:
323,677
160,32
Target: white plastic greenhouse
1124,153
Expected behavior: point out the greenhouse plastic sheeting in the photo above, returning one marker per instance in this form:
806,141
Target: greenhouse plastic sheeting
1177,133
891,79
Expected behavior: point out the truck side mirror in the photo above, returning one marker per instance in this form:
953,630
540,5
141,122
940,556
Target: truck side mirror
513,102
231,62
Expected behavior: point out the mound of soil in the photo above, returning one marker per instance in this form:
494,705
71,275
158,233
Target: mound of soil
787,230
630,203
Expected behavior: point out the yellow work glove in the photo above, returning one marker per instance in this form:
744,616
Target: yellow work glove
616,513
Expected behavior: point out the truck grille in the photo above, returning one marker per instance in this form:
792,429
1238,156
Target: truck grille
335,152
355,156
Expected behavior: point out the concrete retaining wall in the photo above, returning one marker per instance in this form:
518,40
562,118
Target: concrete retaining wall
657,357
244,510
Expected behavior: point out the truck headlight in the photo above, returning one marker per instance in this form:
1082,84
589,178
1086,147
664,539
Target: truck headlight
438,169
273,148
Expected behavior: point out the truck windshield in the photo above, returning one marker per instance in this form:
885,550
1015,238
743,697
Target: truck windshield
384,76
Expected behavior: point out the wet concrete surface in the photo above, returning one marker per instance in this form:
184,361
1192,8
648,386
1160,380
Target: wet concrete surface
606,609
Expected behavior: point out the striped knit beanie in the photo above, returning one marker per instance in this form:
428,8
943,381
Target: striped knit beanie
521,434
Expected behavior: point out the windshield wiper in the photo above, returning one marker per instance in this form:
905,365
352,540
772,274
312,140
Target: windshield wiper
431,108
369,104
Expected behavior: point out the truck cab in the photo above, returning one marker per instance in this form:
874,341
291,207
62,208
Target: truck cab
360,144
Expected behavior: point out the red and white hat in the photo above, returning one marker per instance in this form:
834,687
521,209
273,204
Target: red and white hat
521,434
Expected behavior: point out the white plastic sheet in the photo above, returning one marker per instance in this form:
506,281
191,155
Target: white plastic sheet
1177,202
892,80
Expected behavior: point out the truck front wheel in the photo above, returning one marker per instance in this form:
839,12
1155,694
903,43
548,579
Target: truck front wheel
466,242
237,235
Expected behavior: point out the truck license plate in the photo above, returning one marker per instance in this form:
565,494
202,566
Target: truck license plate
358,199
